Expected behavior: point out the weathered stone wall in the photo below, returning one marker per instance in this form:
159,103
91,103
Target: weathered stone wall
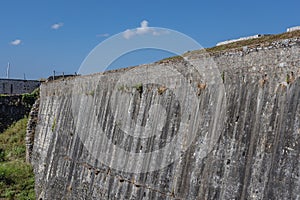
12,109
247,131
15,86
30,131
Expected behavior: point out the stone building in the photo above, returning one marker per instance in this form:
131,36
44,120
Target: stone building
17,86
295,28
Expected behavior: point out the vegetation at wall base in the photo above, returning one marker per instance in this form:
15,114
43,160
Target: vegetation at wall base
28,99
16,176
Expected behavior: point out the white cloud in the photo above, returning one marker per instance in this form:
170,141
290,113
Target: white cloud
103,35
129,33
57,26
142,30
16,42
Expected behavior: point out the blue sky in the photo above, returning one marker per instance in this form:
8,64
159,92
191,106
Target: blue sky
37,37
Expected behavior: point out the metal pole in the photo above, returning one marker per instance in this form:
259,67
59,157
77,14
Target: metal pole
7,70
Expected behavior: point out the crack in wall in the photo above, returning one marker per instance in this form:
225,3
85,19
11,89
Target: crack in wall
107,173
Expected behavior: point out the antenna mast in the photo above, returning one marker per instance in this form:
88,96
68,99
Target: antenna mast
7,70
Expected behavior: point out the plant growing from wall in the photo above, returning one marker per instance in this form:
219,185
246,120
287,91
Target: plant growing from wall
53,125
287,78
90,93
139,88
123,88
223,76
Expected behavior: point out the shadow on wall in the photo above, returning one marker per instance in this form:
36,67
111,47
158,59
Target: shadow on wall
15,107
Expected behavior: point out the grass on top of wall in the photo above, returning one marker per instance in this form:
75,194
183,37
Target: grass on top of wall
264,41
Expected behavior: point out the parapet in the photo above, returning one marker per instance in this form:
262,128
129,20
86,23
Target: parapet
295,28
242,38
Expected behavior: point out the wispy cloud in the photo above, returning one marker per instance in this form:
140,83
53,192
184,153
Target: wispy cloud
142,30
103,35
16,42
57,26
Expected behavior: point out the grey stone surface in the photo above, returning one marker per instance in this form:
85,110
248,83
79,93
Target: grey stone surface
16,86
30,131
244,134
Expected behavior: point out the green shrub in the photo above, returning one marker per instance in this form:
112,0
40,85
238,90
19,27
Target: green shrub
2,155
29,99
16,176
